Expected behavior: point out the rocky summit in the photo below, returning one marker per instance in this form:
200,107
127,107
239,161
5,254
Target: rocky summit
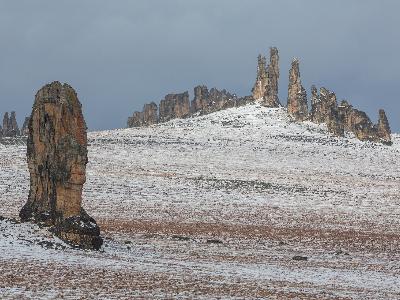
324,106
57,158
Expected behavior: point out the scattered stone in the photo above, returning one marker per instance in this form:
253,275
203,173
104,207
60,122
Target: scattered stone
297,96
181,238
57,158
214,241
300,258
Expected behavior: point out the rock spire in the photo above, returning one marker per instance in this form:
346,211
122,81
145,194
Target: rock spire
297,96
258,90
57,158
271,98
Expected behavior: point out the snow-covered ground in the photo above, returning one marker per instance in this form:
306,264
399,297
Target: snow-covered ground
217,206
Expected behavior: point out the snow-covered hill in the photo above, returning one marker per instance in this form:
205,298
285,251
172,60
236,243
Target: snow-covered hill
217,206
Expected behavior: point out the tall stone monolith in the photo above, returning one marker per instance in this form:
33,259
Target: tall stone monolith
57,158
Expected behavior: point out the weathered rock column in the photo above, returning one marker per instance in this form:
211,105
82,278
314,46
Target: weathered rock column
271,98
57,158
383,128
297,96
258,90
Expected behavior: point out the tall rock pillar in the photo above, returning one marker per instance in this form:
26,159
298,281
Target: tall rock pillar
57,158
261,80
271,98
383,128
297,95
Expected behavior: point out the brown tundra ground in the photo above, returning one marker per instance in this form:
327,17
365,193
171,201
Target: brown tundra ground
239,204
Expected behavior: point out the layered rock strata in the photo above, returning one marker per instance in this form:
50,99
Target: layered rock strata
57,158
297,96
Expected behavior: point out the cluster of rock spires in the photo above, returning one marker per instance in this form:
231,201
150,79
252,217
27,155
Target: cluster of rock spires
175,106
57,158
10,126
324,106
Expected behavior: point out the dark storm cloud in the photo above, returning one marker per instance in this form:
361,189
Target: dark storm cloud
120,54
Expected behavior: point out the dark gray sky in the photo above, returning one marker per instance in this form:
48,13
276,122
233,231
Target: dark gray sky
120,54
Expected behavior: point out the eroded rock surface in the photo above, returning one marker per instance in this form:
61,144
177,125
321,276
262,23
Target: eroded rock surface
297,96
57,158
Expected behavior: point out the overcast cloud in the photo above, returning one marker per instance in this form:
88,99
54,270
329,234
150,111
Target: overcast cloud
120,54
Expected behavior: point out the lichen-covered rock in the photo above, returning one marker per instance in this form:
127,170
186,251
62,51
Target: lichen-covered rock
383,128
57,158
297,96
258,90
271,98
174,106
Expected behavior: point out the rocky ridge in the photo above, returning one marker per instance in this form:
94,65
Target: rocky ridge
324,106
175,106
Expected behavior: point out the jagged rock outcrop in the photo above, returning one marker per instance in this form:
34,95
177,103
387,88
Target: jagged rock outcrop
57,158
271,98
174,106
297,96
201,99
359,123
10,125
24,128
258,90
324,109
136,120
383,128
147,117
207,102
150,114
266,85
